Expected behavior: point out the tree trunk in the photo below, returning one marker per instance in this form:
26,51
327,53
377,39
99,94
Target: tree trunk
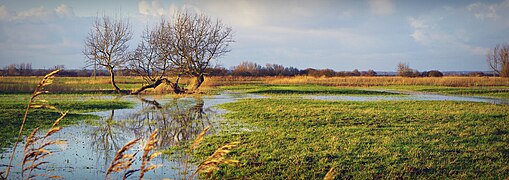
112,78
197,82
158,82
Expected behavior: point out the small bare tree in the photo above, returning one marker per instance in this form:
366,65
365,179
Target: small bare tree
107,45
197,40
498,60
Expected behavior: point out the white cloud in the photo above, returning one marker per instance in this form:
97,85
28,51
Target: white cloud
151,8
381,7
36,14
483,11
64,10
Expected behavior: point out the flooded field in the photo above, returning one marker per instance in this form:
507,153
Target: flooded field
92,144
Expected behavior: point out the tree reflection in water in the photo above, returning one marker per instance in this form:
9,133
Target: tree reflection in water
179,120
107,138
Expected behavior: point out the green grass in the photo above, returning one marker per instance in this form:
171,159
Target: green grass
302,90
12,109
303,139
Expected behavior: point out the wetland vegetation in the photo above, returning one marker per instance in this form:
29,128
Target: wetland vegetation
279,133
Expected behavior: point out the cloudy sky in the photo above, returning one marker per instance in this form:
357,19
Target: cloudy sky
337,34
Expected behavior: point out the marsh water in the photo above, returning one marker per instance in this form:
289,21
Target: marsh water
417,96
92,144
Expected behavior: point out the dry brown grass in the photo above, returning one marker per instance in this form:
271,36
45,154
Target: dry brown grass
147,157
32,104
330,175
199,139
122,161
391,81
212,163
36,150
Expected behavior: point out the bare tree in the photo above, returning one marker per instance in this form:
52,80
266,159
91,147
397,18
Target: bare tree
107,45
498,59
151,59
196,40
405,70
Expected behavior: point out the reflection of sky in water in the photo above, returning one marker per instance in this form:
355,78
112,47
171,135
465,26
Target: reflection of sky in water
91,146
413,96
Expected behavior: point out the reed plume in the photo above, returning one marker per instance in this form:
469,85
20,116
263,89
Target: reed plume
147,157
218,157
199,138
36,149
330,175
46,80
122,161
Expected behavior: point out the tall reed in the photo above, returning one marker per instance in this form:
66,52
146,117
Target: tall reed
33,103
218,157
147,157
35,150
123,161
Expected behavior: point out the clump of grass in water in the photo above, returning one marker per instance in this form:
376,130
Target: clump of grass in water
31,153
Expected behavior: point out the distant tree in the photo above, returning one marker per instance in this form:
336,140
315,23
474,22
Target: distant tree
107,45
371,73
434,73
217,71
24,69
476,74
11,70
404,70
61,66
498,59
356,72
246,68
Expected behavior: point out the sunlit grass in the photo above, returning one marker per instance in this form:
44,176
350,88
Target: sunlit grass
304,139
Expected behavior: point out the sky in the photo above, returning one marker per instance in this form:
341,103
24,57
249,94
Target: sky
446,35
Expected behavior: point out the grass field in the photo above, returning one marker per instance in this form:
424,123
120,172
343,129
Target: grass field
303,139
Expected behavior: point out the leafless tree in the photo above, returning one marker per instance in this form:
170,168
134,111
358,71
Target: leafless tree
185,45
107,44
498,59
151,59
197,40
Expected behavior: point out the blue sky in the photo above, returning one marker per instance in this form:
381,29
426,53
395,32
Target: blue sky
337,34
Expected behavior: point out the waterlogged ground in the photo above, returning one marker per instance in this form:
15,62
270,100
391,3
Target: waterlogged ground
93,142
294,132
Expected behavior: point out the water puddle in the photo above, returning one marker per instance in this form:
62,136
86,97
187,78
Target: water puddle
409,96
91,145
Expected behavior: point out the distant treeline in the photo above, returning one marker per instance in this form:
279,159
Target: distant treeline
243,69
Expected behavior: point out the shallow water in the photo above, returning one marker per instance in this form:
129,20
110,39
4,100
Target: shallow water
92,144
409,96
